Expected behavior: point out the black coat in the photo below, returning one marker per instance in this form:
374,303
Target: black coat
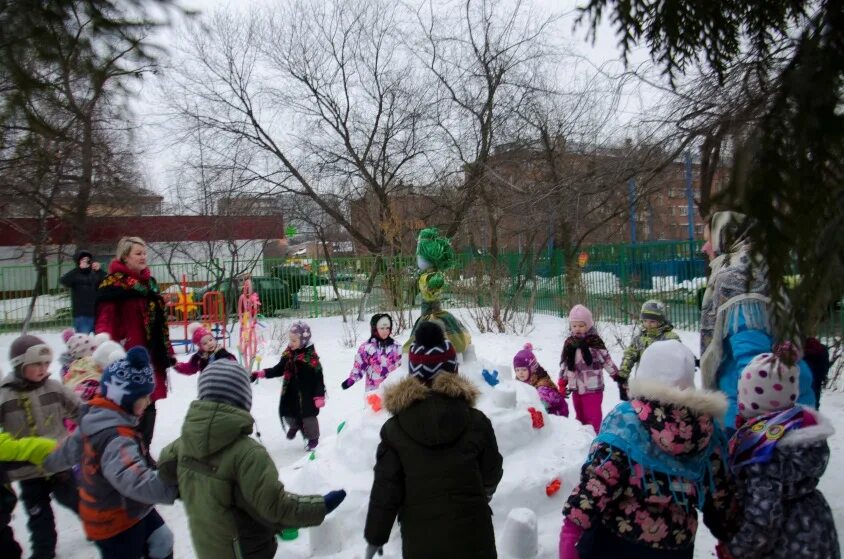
83,289
302,382
437,467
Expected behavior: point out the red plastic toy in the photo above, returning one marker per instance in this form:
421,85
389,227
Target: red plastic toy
374,401
536,418
553,487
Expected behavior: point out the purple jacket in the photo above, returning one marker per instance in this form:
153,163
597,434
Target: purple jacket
375,362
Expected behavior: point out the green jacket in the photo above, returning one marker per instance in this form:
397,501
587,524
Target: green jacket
641,341
229,485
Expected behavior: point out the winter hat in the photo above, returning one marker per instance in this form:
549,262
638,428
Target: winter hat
196,332
580,313
430,353
83,345
128,379
301,328
107,353
654,310
373,325
226,382
67,333
28,350
669,363
526,359
770,382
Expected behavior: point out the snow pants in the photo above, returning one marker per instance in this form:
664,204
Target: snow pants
35,495
587,408
148,539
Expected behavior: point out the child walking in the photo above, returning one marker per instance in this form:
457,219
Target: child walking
582,365
33,404
118,485
208,351
302,389
655,327
527,369
777,457
377,357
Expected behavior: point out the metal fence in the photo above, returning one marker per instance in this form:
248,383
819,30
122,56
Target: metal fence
612,280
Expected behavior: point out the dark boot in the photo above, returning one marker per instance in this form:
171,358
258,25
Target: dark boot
312,444
291,433
35,494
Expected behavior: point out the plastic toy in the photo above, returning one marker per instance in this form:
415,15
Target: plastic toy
536,418
553,487
340,427
289,534
374,401
247,309
490,378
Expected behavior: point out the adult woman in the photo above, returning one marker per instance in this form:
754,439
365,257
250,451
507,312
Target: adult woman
735,321
131,310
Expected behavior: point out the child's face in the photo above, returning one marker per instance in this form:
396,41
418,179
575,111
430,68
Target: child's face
208,344
36,372
522,373
383,328
650,324
140,405
295,341
578,327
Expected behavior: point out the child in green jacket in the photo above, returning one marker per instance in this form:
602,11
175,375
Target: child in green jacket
655,327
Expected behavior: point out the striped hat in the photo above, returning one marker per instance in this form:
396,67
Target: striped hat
226,382
431,353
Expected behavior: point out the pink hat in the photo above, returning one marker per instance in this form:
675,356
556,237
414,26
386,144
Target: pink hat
525,358
197,332
580,313
768,384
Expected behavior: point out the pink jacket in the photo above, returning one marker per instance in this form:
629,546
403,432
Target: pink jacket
375,362
589,378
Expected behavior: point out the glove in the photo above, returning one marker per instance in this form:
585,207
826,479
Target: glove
563,384
490,378
172,359
319,401
346,384
333,499
257,374
371,550
622,390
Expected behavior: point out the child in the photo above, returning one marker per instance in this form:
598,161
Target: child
582,365
377,357
83,373
302,389
655,327
527,369
78,346
33,404
118,486
777,457
208,351
657,459
215,435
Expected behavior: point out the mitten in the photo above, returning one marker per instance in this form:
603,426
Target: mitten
371,550
563,384
260,373
490,378
173,361
333,499
319,401
347,383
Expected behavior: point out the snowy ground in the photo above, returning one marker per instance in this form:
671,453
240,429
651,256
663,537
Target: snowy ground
533,458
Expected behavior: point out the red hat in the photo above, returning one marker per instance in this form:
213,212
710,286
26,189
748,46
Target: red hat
196,332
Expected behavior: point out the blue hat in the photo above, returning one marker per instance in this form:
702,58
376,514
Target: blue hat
128,379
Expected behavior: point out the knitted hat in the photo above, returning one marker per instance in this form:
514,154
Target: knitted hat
83,254
301,328
128,379
768,384
669,363
654,310
196,332
225,381
579,313
28,350
526,359
107,353
430,353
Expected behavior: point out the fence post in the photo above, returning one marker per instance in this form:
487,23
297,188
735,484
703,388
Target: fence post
625,281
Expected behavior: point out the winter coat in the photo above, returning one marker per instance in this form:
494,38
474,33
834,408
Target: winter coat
657,459
437,467
28,410
552,399
117,484
785,516
816,356
585,377
375,360
134,318
198,361
233,498
83,286
302,381
640,342
12,452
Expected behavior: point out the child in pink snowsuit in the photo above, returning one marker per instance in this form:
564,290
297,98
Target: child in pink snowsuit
377,357
582,366
527,369
208,351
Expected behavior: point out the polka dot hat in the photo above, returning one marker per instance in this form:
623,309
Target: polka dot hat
767,384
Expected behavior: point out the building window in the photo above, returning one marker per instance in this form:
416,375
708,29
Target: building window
684,210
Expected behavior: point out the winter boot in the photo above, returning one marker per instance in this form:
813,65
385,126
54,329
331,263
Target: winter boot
291,433
312,444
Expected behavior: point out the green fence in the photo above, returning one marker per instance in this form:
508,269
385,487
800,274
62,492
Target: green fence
613,280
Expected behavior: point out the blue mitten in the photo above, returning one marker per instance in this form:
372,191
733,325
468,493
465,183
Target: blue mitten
333,499
490,378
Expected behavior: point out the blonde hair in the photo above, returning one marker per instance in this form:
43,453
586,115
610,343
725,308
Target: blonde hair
124,246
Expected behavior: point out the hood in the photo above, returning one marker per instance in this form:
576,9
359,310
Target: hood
82,254
211,426
818,433
658,331
436,415
116,266
103,414
680,422
373,332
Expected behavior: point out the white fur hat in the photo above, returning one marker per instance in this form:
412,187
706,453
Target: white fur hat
669,363
108,352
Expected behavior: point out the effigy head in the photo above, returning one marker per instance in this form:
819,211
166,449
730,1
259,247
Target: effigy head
434,250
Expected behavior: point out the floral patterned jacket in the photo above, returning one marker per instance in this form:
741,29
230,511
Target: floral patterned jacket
375,361
650,507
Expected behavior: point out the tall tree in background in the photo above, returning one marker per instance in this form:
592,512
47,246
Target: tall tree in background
787,164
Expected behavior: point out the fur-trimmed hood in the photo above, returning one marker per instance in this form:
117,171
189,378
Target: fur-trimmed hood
706,402
817,433
400,396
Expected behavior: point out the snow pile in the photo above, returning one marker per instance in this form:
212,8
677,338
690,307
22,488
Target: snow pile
670,283
601,283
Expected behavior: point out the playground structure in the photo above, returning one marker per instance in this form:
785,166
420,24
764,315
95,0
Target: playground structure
248,305
182,310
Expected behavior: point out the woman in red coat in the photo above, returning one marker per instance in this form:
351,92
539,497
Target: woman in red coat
131,310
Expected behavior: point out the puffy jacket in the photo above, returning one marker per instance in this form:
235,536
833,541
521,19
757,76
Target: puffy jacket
83,288
437,467
375,360
233,498
302,379
643,338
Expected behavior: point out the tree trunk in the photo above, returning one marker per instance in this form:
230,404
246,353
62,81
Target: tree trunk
86,181
332,276
370,283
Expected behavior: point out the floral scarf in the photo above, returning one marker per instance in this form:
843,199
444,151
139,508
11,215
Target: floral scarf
306,355
573,343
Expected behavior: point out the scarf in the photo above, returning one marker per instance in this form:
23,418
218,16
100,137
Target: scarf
120,286
305,355
584,344
756,440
